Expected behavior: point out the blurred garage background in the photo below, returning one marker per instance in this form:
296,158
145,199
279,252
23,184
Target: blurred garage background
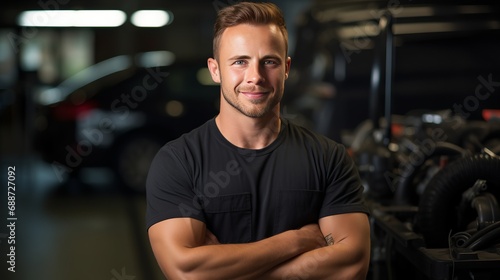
89,91
84,106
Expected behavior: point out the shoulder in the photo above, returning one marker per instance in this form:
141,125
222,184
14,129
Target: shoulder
191,140
196,135
184,150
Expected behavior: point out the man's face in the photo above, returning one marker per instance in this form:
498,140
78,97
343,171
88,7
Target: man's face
252,67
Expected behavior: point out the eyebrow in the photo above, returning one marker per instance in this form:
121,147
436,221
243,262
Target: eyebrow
238,57
275,57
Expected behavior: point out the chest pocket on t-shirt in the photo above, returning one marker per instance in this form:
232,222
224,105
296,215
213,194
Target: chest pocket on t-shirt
229,217
298,208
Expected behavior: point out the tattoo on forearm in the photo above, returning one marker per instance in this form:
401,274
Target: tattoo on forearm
329,239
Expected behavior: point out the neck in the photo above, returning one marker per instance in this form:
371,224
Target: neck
250,133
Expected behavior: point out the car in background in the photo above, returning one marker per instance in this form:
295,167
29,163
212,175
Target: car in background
119,112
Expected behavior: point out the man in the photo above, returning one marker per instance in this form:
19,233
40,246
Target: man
249,195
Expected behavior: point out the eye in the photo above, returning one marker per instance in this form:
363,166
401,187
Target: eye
239,62
270,62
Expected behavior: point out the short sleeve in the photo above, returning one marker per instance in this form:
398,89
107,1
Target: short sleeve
169,188
344,193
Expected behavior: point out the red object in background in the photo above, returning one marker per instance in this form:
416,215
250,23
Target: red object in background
491,114
68,111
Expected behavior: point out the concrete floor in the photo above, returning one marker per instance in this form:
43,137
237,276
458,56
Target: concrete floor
75,230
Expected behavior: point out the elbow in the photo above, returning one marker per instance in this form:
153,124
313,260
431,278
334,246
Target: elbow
177,265
179,274
181,268
354,267
360,261
359,272
359,269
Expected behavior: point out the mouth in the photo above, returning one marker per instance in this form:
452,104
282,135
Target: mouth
255,94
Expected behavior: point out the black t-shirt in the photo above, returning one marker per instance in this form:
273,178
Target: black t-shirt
245,195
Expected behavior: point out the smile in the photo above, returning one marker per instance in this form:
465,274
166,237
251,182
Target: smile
254,94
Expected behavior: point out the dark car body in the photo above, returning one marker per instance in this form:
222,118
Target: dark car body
121,118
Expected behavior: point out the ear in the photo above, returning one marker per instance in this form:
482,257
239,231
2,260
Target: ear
288,63
213,67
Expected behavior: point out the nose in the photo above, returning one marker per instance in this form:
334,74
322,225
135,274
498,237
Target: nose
255,73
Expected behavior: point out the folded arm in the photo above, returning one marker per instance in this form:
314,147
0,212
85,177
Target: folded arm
347,258
180,247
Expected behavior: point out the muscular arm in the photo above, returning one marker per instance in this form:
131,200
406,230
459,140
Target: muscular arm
347,258
179,247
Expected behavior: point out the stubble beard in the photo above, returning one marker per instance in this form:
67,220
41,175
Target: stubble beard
255,112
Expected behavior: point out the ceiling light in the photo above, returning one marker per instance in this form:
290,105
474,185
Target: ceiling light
151,18
72,18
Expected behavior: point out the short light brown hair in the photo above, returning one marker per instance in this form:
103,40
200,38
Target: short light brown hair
249,13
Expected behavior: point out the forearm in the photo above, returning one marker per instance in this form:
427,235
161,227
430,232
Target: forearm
236,261
331,262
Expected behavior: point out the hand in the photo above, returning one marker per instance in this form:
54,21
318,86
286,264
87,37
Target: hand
312,237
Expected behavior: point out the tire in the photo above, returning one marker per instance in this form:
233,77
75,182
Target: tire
406,191
437,214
